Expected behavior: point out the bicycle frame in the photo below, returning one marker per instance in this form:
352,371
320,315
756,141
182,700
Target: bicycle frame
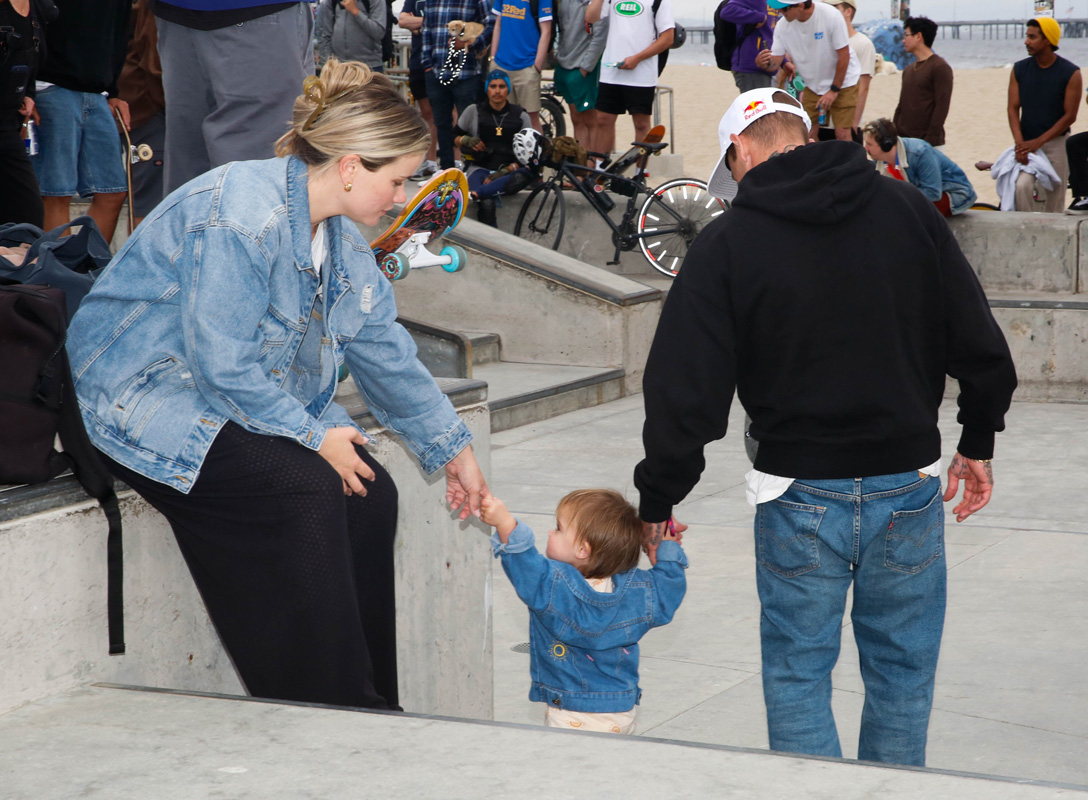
622,235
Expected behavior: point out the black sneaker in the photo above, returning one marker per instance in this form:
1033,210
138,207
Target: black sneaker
1078,206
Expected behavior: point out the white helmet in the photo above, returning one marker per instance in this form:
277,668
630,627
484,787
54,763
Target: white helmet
529,147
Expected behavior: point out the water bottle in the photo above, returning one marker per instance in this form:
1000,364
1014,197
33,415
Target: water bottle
30,137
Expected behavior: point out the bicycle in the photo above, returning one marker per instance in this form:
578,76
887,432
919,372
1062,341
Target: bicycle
553,121
663,225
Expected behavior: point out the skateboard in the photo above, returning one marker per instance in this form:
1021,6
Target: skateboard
431,214
622,163
133,154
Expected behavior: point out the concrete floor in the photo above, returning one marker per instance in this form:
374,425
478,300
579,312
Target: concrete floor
1011,695
1011,698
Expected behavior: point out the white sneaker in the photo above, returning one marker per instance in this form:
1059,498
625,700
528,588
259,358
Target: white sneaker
425,171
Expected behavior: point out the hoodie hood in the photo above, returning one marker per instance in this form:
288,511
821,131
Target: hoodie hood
821,183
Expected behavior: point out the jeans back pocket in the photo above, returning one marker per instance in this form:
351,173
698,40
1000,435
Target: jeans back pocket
915,539
786,542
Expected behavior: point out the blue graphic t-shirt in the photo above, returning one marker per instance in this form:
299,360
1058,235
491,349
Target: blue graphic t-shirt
520,33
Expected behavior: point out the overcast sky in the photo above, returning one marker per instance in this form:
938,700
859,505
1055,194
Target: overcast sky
938,10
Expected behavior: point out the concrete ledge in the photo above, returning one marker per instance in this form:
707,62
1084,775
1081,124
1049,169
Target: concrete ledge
546,308
1013,251
135,744
53,574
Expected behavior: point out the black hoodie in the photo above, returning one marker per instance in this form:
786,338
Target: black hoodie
834,301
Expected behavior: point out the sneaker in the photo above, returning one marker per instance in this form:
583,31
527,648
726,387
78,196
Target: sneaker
1078,206
425,171
460,165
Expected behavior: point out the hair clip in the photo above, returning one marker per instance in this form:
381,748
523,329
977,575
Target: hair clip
314,88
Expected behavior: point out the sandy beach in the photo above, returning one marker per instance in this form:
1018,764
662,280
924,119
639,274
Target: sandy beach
977,127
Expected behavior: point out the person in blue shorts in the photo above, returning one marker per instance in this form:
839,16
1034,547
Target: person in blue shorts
80,149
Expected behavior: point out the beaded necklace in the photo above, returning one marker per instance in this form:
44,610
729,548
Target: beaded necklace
453,66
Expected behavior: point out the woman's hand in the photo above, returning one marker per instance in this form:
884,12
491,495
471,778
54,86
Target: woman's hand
338,449
465,484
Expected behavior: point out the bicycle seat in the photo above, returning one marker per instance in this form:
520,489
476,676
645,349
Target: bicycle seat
651,147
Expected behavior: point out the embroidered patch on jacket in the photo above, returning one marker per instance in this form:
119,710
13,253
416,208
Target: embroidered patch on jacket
559,650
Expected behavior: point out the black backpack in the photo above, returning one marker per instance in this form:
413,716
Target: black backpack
679,37
726,40
37,397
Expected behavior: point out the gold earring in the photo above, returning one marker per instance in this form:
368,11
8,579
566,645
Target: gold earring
347,186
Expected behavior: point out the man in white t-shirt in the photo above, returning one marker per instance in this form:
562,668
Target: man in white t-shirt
636,34
863,48
816,37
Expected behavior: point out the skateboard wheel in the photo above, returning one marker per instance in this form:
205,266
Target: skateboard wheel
395,266
144,152
458,257
343,374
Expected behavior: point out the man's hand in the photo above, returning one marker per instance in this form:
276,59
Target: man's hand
465,484
29,109
338,448
978,484
653,533
1024,148
493,512
349,5
472,143
117,104
765,61
827,99
630,62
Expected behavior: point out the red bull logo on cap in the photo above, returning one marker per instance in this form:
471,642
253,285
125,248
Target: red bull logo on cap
754,109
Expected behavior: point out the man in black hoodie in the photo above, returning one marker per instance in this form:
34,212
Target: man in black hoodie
840,361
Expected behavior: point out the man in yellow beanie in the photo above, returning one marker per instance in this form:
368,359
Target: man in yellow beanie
1044,95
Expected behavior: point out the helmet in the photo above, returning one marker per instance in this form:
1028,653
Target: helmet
529,147
679,36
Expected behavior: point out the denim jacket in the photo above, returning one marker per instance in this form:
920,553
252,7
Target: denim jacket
934,173
583,644
202,318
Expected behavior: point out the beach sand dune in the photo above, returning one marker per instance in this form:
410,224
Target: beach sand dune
977,127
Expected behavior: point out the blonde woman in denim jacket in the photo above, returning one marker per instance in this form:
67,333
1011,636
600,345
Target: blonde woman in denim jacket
206,360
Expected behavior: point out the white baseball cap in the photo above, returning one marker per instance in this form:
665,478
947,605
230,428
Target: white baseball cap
745,110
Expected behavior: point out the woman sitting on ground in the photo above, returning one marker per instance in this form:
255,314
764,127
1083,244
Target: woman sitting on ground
207,357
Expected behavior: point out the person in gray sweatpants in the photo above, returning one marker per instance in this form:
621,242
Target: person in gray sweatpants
230,77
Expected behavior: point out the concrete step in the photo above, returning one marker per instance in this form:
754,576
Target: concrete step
519,394
165,744
486,347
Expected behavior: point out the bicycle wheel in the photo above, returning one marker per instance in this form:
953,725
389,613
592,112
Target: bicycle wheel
552,121
671,218
541,218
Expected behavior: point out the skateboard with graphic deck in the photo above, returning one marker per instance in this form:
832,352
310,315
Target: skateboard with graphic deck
431,214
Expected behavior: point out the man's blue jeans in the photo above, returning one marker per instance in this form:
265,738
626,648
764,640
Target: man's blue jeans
461,93
884,535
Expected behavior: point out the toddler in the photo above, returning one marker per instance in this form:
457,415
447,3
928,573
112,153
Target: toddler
588,604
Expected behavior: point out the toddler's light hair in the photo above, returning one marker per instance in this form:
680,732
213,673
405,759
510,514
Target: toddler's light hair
610,526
